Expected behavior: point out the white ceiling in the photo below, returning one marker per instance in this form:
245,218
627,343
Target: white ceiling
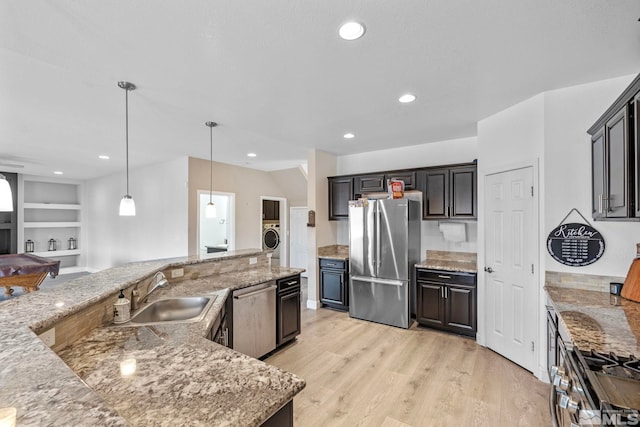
278,79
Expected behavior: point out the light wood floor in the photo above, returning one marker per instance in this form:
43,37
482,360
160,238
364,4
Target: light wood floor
364,374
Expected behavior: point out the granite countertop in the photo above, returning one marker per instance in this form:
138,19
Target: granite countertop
593,322
449,265
171,379
340,252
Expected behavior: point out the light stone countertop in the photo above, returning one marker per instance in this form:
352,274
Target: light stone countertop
176,363
458,266
593,322
339,252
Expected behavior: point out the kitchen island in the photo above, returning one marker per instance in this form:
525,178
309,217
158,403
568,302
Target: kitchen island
181,377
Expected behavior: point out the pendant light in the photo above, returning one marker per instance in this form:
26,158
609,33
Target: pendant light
6,199
210,210
127,206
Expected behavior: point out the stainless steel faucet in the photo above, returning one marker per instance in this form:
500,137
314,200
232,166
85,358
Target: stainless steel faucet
160,282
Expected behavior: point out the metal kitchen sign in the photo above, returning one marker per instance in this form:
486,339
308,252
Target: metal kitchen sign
575,244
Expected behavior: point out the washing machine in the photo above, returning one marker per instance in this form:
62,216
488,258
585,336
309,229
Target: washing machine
271,238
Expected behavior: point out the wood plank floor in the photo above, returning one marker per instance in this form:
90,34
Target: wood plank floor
364,374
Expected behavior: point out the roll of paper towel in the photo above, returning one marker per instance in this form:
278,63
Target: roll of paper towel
454,231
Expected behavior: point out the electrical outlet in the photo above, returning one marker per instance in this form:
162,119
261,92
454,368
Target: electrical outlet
253,260
178,272
48,337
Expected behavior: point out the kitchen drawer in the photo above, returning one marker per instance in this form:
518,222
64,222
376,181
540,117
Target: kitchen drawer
445,276
288,283
333,263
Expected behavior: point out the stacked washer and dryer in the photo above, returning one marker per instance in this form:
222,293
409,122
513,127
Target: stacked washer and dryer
271,239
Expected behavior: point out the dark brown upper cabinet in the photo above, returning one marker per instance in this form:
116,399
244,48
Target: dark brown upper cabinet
340,192
408,177
372,183
449,192
615,157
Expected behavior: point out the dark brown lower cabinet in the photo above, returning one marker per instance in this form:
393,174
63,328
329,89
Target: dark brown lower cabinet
288,309
447,300
334,283
282,418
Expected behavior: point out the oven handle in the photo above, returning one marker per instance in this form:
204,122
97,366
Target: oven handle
552,406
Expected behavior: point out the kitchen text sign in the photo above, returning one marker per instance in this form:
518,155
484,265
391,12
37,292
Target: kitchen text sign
575,244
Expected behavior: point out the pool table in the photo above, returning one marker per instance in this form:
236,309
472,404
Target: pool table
25,270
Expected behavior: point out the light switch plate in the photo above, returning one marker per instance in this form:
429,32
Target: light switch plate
177,272
253,260
48,337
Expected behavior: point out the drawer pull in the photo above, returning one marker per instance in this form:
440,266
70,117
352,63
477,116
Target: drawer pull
293,282
442,276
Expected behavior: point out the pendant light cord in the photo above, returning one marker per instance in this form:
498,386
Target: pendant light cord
126,113
211,165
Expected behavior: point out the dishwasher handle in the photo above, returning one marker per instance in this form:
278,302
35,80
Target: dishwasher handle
250,294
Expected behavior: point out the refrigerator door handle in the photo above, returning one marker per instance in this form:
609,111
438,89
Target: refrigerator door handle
377,226
380,281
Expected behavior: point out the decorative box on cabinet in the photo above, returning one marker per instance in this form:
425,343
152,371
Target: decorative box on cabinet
334,283
447,300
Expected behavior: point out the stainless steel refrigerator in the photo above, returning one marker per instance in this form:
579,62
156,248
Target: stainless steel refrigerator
384,246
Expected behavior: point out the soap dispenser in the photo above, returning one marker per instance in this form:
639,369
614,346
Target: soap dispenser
121,309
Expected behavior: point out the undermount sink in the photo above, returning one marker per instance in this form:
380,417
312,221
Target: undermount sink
173,310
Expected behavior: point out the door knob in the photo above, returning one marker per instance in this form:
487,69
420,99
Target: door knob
488,269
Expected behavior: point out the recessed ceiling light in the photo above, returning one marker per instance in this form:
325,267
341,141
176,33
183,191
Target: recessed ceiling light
349,135
103,157
58,172
251,154
406,98
351,30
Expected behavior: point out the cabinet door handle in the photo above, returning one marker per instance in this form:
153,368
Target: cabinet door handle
446,292
600,203
441,291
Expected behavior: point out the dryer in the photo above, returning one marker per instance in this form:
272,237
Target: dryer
271,238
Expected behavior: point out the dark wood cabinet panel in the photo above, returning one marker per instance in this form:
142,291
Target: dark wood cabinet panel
598,175
447,300
334,280
636,145
373,183
270,210
617,158
340,192
436,194
460,308
288,309
408,177
431,308
463,203
282,418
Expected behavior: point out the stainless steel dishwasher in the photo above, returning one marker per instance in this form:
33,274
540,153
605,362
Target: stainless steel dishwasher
254,319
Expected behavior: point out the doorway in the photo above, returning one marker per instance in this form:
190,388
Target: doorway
511,251
216,234
274,229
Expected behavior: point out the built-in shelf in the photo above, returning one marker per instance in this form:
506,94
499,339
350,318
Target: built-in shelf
55,254
60,206
64,224
51,209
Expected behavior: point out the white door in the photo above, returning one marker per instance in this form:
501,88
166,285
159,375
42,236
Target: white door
298,238
510,256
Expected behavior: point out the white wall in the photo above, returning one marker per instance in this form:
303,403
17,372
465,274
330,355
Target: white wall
568,114
159,229
320,166
548,131
431,154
